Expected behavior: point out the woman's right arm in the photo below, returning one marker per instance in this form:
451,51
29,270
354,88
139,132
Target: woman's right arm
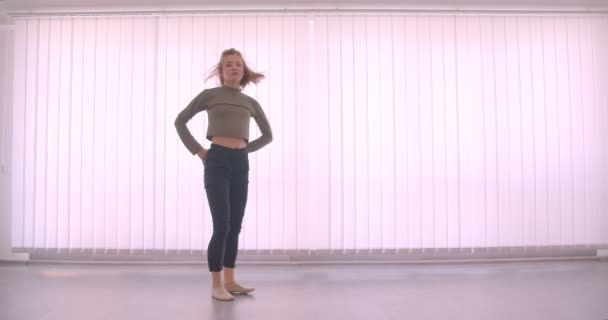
195,106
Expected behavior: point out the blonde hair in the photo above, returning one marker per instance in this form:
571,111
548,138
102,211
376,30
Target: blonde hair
248,74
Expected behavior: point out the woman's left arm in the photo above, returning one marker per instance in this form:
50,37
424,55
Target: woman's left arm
262,122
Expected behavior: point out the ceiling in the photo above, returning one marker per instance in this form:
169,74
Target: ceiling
48,6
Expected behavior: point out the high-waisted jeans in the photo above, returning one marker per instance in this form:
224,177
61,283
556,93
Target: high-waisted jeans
226,182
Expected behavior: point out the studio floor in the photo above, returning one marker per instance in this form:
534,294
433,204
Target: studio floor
573,290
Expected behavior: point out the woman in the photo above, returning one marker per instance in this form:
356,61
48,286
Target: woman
226,161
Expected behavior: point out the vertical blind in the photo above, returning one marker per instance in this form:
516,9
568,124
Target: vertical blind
391,131
6,40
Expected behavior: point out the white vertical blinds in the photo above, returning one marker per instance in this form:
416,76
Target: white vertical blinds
6,60
392,132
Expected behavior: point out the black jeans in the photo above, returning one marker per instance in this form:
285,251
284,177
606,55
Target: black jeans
226,182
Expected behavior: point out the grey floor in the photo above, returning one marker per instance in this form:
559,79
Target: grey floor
575,290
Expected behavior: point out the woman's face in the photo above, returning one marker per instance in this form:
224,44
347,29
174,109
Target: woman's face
232,68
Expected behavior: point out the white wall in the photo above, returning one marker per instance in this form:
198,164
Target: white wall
6,40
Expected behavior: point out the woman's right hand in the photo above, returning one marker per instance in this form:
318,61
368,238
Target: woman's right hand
202,154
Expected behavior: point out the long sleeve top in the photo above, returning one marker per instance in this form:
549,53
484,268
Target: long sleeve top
229,112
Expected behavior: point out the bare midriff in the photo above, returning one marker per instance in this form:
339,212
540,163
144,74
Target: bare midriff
229,142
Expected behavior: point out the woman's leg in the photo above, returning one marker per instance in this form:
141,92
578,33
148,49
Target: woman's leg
217,186
217,195
216,249
238,201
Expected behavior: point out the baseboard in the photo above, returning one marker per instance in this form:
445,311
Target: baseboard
305,257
